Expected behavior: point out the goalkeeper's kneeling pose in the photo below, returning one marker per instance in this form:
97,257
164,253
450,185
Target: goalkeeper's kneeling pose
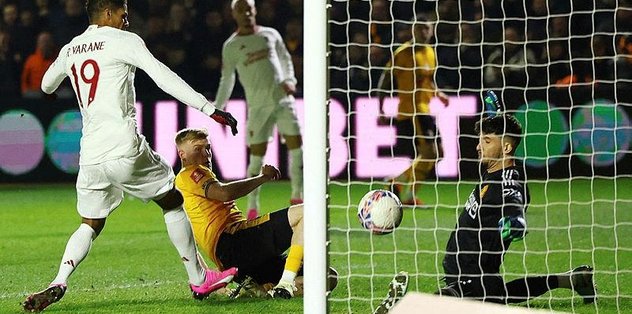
493,218
255,247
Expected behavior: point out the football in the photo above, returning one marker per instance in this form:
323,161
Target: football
380,211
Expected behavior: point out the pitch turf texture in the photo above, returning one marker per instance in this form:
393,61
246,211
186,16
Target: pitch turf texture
133,268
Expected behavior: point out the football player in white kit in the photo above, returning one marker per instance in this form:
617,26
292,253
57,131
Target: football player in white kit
114,157
266,72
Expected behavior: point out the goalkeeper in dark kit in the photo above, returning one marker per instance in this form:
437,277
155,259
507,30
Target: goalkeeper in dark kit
493,218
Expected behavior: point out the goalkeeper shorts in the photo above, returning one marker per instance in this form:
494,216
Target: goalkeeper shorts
257,250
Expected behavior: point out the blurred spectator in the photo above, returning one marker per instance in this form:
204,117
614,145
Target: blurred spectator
358,63
10,17
295,9
157,43
155,39
159,7
11,26
470,57
294,43
602,59
445,39
178,34
72,22
294,36
207,38
556,60
42,8
508,64
380,30
28,32
187,35
624,64
537,26
491,15
9,70
36,65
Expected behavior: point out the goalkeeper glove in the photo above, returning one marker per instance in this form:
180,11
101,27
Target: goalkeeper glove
491,104
225,118
512,228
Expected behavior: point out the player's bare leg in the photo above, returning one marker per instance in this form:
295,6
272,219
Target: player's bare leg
77,249
202,280
407,185
286,287
257,152
294,143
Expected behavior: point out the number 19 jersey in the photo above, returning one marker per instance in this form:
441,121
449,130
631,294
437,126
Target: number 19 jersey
101,64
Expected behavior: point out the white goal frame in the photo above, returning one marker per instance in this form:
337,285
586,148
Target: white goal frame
315,157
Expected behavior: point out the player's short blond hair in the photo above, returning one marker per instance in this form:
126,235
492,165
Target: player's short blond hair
190,134
234,2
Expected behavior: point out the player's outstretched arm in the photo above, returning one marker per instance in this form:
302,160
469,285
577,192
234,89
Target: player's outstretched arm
285,59
233,190
133,51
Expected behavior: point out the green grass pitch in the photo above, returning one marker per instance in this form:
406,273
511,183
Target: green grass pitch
133,268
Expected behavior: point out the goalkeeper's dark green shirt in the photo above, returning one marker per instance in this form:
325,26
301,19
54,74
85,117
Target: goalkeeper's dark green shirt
475,246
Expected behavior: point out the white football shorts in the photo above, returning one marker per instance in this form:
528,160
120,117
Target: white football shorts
100,187
261,123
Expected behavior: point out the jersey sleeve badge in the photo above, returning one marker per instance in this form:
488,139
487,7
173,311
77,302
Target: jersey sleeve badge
197,175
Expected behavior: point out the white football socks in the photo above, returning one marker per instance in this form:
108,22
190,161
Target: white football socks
181,235
288,276
77,249
254,168
296,172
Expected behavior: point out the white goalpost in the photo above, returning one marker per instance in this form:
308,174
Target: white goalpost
315,157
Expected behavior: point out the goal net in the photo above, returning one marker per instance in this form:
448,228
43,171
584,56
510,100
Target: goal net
563,68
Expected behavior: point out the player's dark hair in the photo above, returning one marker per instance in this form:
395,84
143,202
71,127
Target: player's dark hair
94,7
502,124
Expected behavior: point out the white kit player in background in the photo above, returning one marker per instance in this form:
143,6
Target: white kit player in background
114,157
266,72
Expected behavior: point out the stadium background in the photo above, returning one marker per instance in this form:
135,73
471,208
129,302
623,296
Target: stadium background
578,53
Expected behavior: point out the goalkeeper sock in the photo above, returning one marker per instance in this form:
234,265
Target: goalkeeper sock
181,235
254,168
296,172
77,249
292,263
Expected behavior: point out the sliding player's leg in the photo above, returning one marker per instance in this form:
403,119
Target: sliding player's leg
285,288
147,176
